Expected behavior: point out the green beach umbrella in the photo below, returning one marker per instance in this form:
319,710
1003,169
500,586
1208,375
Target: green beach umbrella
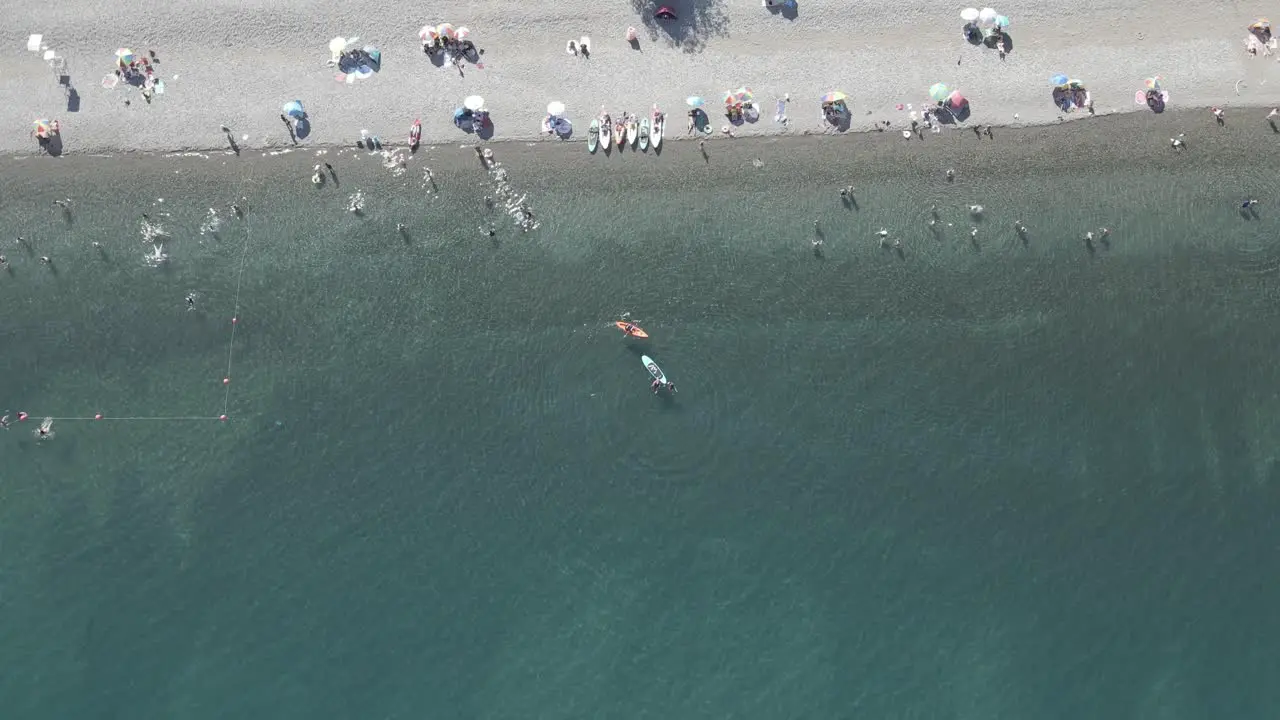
939,92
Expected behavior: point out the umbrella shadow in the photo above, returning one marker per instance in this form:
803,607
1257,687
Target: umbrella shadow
695,22
972,34
52,144
1156,103
839,121
950,116
1006,43
302,128
485,131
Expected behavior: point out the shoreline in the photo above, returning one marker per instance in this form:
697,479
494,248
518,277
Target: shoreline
1023,130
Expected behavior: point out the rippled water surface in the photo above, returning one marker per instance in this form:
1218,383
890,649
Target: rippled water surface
966,477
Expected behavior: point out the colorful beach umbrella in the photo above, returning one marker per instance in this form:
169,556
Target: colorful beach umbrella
446,30
1152,83
41,128
969,14
834,96
428,33
939,92
1058,80
956,100
473,102
293,109
463,32
738,97
1260,25
124,56
694,101
555,108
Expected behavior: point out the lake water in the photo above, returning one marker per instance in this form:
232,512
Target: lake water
970,479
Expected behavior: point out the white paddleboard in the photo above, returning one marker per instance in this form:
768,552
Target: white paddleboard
653,369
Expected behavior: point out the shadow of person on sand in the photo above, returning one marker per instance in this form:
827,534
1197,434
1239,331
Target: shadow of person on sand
694,23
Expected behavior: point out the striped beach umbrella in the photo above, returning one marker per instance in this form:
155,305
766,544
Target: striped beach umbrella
834,96
463,33
738,97
445,30
1152,83
939,92
956,100
124,56
42,128
428,33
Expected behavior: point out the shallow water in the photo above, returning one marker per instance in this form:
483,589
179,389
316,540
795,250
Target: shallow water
970,480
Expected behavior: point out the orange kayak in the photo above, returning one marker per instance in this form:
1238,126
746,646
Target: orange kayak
635,329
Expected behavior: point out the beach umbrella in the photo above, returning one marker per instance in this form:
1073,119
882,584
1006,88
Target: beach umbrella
41,127
555,108
428,33
833,97
463,32
738,97
969,14
1058,80
694,101
988,16
1260,25
939,92
1075,84
446,30
1152,83
1002,21
473,102
337,45
744,95
124,56
956,100
293,109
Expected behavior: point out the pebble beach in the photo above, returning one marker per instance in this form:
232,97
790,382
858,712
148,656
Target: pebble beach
234,64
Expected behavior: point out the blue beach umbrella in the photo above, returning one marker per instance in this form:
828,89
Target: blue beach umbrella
293,109
1058,80
695,101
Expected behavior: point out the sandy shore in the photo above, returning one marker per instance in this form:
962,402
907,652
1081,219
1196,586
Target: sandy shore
235,63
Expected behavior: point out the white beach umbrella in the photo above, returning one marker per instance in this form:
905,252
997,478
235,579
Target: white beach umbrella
473,103
555,108
463,32
988,15
337,45
428,33
969,14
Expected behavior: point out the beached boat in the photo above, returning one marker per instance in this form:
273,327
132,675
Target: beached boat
655,131
606,131
620,131
644,135
593,136
633,131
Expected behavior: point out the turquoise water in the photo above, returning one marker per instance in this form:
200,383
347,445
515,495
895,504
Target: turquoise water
970,481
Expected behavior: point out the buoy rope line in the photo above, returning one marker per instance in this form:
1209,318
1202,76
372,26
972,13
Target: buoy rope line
231,345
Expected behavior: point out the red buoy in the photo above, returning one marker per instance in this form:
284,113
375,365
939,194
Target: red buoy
97,416
223,418
226,381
